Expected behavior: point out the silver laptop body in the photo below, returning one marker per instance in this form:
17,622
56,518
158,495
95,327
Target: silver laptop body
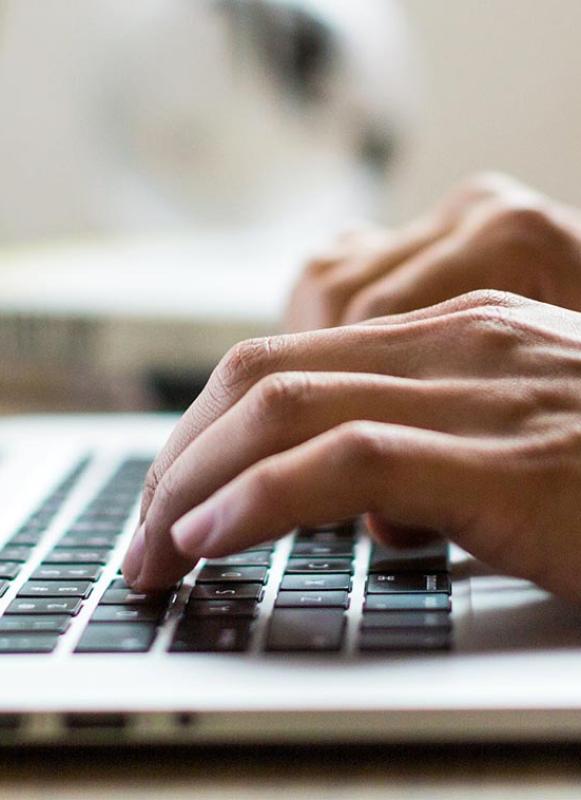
503,664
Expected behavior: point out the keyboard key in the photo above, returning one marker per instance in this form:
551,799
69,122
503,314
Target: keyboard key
31,624
406,619
199,635
117,637
319,565
3,587
427,558
221,608
84,540
45,605
258,558
49,572
56,589
227,591
310,549
94,528
35,643
77,556
412,639
9,570
317,583
232,575
407,602
127,614
299,630
20,554
312,600
127,597
384,583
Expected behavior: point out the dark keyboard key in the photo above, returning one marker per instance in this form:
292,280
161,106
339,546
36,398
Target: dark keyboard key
221,608
312,600
20,554
232,575
413,639
9,570
410,582
30,624
127,597
406,619
316,583
127,614
117,637
319,565
84,540
313,549
56,589
35,643
300,630
3,587
227,591
199,635
259,558
427,558
45,605
407,602
50,572
77,556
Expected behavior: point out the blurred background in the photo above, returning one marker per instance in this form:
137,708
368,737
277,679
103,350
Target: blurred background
166,166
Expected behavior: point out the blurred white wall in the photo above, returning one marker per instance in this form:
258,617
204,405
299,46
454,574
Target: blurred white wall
501,90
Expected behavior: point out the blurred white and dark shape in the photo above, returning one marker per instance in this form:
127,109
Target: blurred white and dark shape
123,117
213,141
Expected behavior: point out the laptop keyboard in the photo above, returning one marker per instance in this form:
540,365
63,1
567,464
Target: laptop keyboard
319,590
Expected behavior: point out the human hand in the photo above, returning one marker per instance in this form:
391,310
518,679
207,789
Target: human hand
463,418
491,232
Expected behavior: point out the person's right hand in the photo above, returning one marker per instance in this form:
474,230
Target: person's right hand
491,232
464,418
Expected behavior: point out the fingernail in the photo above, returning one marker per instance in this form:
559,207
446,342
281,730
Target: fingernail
190,532
134,557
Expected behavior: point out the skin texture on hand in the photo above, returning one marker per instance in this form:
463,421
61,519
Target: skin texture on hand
491,232
463,418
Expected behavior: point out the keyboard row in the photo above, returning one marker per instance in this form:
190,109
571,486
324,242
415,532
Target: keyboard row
406,604
55,591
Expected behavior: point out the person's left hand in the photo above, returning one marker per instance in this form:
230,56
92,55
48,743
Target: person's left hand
463,418
489,232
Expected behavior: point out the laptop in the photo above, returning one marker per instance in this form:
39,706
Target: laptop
320,637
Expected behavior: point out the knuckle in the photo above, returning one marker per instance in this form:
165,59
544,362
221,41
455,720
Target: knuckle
245,362
279,396
480,187
495,325
361,444
489,298
365,305
315,266
525,223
